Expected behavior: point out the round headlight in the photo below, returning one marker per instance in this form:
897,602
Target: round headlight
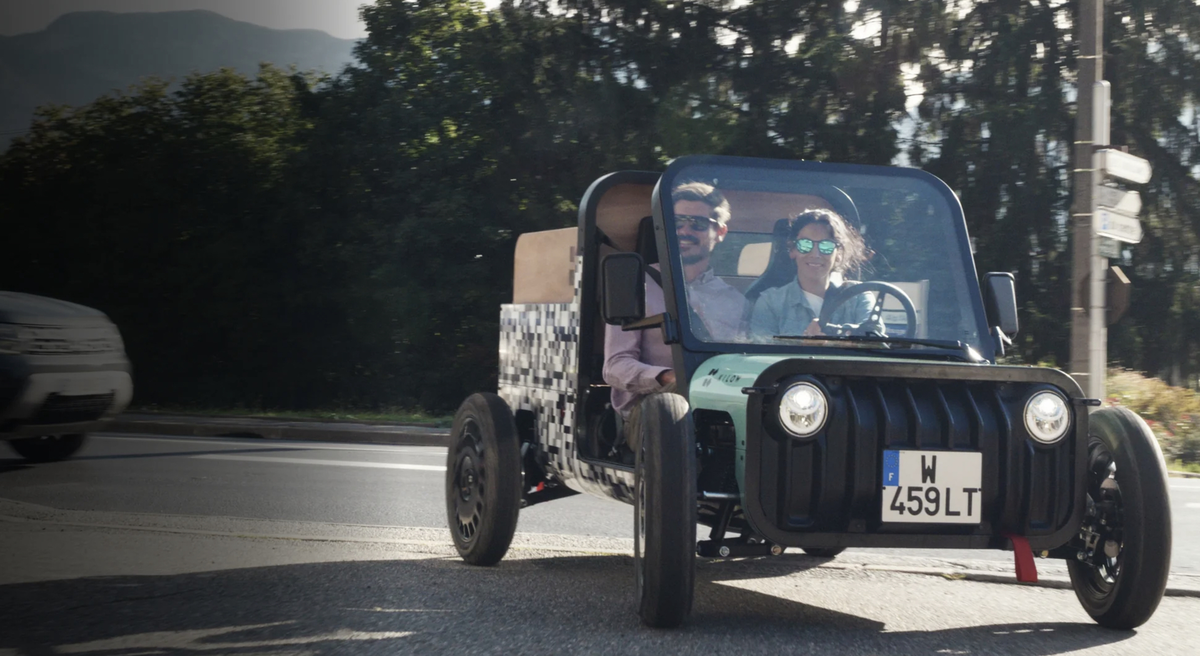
802,409
1046,417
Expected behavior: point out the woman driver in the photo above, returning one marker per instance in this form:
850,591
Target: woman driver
823,246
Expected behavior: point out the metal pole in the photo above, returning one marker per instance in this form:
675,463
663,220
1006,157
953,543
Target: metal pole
1089,332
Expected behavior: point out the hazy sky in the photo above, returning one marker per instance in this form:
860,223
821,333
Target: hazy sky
337,17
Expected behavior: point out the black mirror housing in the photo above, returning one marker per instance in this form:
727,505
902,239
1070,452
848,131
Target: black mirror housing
623,288
1000,301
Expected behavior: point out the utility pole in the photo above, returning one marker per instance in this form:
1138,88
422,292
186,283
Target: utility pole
1089,331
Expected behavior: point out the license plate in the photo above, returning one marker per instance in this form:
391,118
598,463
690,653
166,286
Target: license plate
933,487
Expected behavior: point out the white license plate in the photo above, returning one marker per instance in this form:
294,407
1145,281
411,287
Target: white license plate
934,487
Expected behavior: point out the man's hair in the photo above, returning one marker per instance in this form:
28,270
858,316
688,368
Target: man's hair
704,193
854,251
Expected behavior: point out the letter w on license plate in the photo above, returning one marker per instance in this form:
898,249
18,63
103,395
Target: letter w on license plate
942,487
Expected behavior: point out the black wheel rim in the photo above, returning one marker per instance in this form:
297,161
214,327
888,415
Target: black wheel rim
1105,491
470,482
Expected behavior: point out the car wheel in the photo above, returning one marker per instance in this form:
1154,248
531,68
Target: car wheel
1121,577
48,448
483,479
665,512
823,552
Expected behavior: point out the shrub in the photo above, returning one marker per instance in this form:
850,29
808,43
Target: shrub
1173,413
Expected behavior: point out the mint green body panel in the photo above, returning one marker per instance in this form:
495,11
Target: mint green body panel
722,391
717,385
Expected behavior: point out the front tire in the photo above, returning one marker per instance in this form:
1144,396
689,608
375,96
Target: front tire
665,512
48,448
1123,591
483,479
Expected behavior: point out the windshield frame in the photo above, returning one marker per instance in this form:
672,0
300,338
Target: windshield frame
668,245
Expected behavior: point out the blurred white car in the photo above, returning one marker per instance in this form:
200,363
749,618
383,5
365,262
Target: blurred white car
63,372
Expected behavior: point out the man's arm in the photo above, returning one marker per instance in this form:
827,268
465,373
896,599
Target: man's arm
623,368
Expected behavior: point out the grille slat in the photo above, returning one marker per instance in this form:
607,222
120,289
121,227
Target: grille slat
72,409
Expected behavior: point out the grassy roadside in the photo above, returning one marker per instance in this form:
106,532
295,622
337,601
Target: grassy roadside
392,415
1173,413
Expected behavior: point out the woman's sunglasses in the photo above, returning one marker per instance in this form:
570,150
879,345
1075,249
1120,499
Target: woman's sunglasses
826,246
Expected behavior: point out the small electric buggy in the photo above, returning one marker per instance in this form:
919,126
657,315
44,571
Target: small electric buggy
900,431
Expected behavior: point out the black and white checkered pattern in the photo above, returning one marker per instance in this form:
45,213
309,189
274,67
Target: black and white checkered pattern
539,360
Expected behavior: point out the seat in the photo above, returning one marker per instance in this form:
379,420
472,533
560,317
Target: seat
780,268
647,243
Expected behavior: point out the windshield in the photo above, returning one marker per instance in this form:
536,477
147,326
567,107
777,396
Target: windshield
786,253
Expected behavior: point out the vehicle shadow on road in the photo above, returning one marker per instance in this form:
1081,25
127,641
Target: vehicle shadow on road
12,465
568,604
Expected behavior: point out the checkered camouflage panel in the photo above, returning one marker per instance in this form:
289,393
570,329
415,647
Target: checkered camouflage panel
539,359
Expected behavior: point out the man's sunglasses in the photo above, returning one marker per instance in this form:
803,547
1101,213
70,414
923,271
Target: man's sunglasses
697,223
826,246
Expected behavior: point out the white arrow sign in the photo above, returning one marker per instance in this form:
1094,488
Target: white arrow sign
1125,202
1108,223
1123,165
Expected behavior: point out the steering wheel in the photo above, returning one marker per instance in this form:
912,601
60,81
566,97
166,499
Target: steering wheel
874,321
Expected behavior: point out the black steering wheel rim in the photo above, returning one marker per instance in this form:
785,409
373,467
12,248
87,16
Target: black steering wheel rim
875,317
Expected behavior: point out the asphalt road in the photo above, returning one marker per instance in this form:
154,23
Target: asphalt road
165,545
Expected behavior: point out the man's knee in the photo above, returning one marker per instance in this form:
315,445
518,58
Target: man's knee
633,423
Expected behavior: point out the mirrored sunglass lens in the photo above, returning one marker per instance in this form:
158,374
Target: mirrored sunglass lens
804,245
826,246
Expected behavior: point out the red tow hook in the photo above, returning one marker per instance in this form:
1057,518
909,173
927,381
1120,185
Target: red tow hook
1023,557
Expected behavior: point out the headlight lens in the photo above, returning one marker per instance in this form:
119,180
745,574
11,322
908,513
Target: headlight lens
803,409
1046,417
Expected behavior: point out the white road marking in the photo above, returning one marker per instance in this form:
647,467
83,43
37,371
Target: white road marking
1193,505
439,451
332,463
1181,486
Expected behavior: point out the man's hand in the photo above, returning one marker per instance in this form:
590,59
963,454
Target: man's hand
665,377
814,328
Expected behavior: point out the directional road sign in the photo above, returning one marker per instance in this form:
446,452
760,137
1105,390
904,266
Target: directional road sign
1109,223
1125,202
1123,165
1110,248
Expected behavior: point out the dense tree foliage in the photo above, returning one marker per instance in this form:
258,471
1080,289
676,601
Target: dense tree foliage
291,242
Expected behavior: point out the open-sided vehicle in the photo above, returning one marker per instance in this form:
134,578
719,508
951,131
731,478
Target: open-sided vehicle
900,431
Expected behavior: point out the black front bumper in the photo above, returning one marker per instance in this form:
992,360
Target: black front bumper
825,490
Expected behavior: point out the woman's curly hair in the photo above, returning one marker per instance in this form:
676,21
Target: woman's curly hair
853,252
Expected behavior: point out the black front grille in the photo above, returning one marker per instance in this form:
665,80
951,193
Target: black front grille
60,409
832,482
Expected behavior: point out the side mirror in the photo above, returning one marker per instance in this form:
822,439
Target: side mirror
1000,301
623,288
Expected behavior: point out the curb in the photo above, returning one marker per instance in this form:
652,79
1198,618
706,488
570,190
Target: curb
310,431
982,576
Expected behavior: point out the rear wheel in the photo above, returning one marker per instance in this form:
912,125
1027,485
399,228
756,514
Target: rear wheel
48,448
483,479
665,512
1120,574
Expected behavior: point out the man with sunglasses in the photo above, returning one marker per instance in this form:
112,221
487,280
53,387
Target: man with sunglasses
638,363
823,247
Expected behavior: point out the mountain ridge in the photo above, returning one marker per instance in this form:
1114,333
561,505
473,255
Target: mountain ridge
81,56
